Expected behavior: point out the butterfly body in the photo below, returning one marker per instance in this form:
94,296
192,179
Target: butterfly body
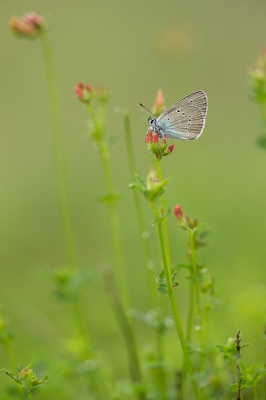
184,120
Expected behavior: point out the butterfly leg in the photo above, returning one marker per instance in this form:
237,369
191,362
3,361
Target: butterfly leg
161,133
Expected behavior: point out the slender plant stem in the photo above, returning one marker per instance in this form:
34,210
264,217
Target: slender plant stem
126,329
120,308
206,325
30,396
162,378
255,391
102,148
190,313
140,216
178,326
59,156
79,329
163,211
159,330
147,257
197,293
189,330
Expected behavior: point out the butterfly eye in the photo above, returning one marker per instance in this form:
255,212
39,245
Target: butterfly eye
177,110
189,116
189,123
183,113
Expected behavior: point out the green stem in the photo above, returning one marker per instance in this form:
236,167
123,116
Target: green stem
178,326
163,211
206,326
162,376
59,156
255,392
190,313
79,329
29,396
141,222
189,330
113,213
197,292
127,331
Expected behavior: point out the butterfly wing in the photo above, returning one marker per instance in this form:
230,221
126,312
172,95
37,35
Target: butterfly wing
185,119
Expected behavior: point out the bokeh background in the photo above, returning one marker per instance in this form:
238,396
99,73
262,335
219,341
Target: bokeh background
134,47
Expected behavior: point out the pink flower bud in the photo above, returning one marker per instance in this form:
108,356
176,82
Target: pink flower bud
30,25
83,92
80,85
33,18
78,92
155,138
178,212
148,137
88,87
169,150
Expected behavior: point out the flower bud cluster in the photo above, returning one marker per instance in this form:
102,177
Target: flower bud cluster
83,92
30,25
153,188
158,147
29,379
184,221
86,93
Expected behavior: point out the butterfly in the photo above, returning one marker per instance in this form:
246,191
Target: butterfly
184,120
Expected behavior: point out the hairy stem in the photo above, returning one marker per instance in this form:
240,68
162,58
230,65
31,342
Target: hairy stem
177,321
163,211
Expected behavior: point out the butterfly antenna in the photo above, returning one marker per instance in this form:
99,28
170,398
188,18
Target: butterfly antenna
141,105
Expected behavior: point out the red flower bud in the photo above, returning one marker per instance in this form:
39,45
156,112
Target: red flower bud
30,25
83,92
88,87
78,92
169,150
80,85
155,138
178,212
148,137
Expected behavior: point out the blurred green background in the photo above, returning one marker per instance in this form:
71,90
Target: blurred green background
135,48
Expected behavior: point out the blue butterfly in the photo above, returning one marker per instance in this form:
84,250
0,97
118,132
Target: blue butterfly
184,120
